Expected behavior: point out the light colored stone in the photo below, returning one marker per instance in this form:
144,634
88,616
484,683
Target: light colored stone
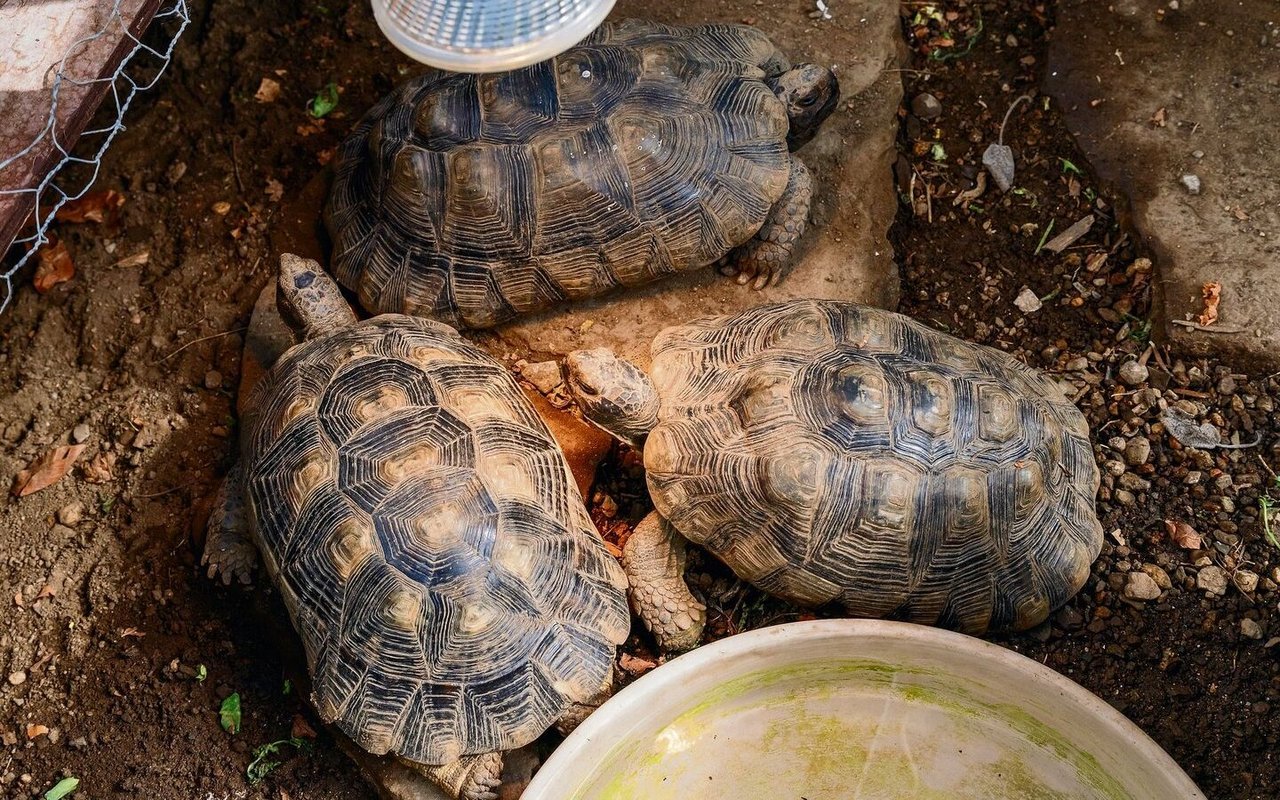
544,375
1132,373
71,514
1137,451
1245,580
79,433
1158,575
1212,579
1250,628
844,254
1218,95
17,678
1028,301
1141,586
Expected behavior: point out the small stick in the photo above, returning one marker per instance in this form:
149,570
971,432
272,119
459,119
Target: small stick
198,341
1014,105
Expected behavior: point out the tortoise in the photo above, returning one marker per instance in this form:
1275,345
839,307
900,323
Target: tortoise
832,453
644,151
426,535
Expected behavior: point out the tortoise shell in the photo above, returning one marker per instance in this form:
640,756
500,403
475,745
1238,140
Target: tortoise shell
643,151
829,452
429,541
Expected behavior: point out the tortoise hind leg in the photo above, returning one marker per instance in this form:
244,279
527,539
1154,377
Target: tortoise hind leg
654,559
228,548
766,259
468,778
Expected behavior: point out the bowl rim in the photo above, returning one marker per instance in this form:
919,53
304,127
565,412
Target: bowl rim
595,732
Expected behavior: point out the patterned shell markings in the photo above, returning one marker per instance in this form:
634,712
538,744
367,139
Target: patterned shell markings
830,452
643,151
430,544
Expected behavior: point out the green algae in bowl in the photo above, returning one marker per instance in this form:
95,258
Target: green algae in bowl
856,710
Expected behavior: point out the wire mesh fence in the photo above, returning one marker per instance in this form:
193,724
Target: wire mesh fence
76,162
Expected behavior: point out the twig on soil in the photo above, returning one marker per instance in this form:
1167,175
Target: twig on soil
235,167
1012,106
1195,326
198,341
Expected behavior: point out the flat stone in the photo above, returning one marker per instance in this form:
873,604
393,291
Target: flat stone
1250,628
1212,579
1218,96
844,254
1141,586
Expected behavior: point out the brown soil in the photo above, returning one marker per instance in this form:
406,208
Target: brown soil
148,358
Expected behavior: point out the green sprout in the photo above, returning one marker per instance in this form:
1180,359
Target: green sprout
229,713
201,673
1068,166
262,764
62,788
1044,237
325,101
937,152
1265,504
938,55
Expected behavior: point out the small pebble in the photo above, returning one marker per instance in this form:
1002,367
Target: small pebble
1191,182
1250,628
79,433
1197,154
926,106
71,514
17,678
1133,374
1137,451
1078,364
213,379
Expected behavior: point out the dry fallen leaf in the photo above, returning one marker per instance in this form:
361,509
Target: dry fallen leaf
54,266
1212,295
134,632
45,591
301,729
46,470
221,207
35,730
1182,534
99,207
635,666
99,468
274,190
268,91
17,599
135,260
1158,119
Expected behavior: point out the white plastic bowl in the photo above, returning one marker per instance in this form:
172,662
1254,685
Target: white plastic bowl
854,710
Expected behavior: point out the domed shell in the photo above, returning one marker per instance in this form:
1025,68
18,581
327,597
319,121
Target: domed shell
829,452
643,151
429,541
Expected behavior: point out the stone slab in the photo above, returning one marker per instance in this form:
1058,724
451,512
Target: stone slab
845,254
1214,69
35,35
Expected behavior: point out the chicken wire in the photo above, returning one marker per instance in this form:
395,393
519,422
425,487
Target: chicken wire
138,71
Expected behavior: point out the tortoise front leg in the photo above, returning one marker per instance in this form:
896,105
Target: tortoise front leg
767,258
228,546
654,559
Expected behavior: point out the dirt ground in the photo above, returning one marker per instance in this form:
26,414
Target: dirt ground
116,652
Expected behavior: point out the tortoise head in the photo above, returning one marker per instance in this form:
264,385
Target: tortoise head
308,299
810,93
614,394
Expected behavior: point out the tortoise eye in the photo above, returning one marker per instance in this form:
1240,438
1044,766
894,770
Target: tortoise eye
808,101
